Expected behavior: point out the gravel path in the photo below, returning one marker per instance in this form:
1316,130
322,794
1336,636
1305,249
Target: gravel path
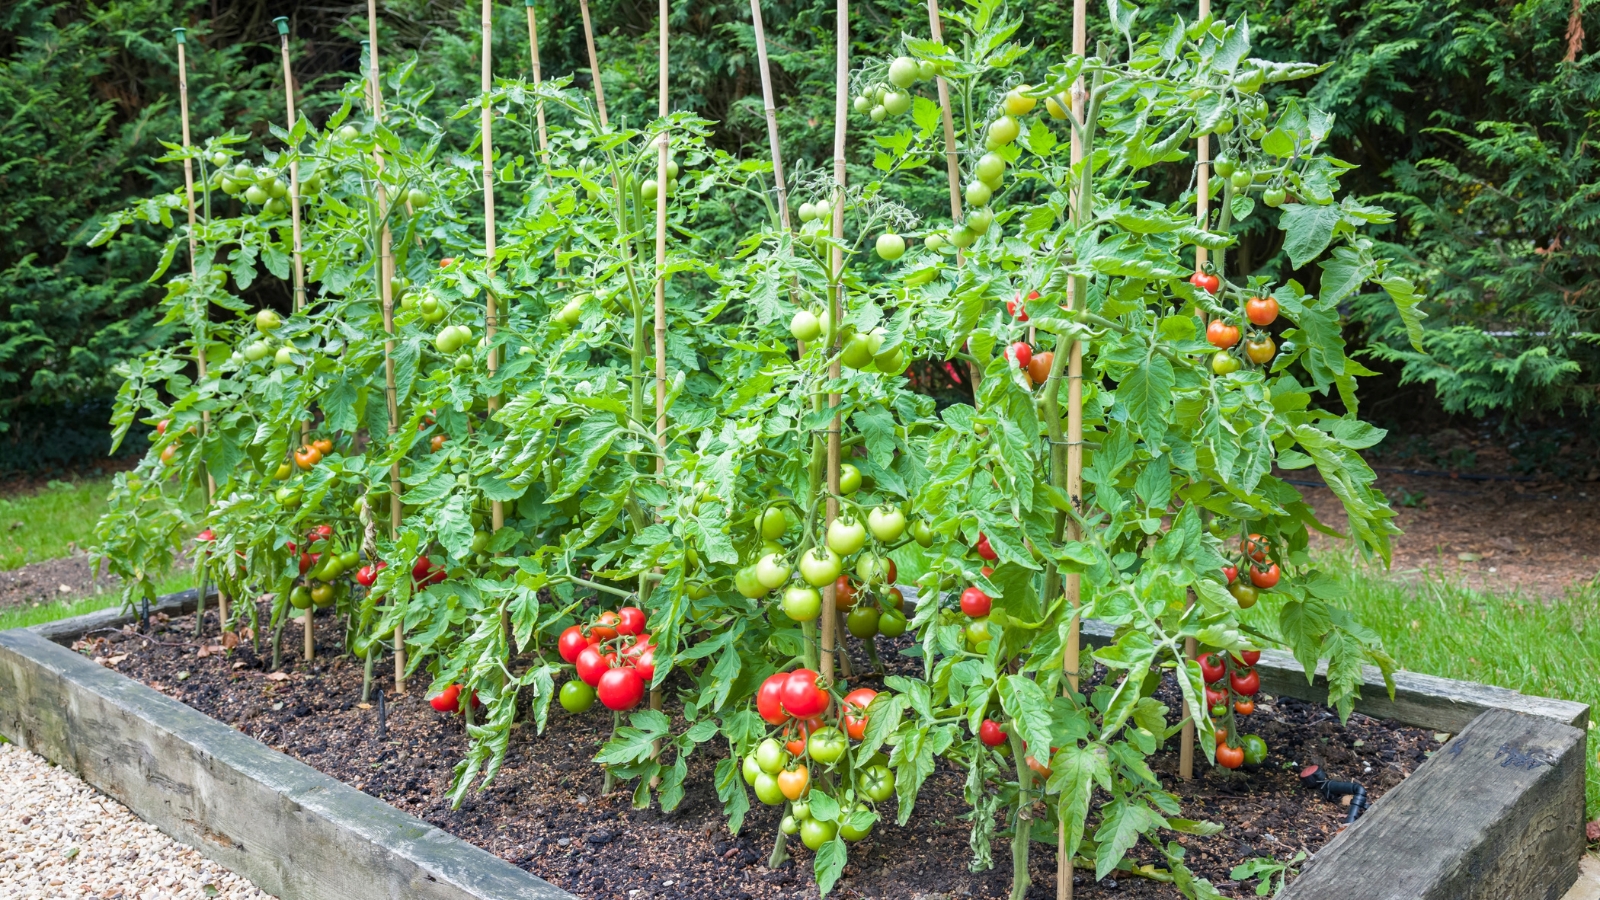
60,838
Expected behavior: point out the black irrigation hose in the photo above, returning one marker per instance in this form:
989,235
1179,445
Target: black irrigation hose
1314,778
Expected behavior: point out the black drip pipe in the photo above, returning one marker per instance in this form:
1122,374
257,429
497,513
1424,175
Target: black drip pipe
1314,778
144,616
383,718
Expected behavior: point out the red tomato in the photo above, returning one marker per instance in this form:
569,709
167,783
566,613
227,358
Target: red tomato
421,568
975,603
991,733
1250,657
319,533
307,560
801,696
1207,283
591,664
1247,684
844,592
1221,334
1230,573
571,644
447,700
206,536
605,626
645,664
1264,578
1244,707
366,575
1023,353
1255,546
1019,309
891,574
1039,368
1230,757
855,707
983,548
161,426
795,746
1261,310
1216,697
630,620
1039,768
1212,668
620,689
769,699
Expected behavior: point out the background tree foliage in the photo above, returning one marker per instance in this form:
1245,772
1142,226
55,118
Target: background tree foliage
1474,119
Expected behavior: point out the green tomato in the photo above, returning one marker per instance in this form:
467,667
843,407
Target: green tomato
849,479
1241,179
1255,749
1224,166
896,103
820,566
978,194
698,590
789,825
769,756
767,790
814,833
857,352
576,697
991,167
846,535
773,522
977,634
1003,131
862,622
746,583
861,105
802,604
962,238
649,190
886,523
805,326
1224,363
1274,196
922,533
872,569
827,745
267,321
876,782
800,809
300,597
851,833
980,220
904,72
256,194
892,623
878,114
284,356
749,768
892,363
772,571
256,351
890,246
934,242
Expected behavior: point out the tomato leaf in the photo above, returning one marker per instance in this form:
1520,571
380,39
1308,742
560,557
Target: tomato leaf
1308,229
829,864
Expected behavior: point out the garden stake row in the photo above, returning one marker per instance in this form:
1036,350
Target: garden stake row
385,270
497,511
836,307
663,184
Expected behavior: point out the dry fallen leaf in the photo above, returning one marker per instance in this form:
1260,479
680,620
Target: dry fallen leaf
113,660
278,676
230,640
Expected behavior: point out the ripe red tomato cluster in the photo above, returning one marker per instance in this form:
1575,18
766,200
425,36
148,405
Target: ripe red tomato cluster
613,655
1018,307
368,574
449,700
786,695
425,572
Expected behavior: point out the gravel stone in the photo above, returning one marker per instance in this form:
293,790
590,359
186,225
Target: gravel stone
60,838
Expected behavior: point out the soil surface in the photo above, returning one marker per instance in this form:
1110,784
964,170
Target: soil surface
545,812
52,580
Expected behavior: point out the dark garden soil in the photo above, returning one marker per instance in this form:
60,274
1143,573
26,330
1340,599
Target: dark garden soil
545,812
52,580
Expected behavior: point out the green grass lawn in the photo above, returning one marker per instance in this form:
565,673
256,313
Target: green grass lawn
1524,643
46,524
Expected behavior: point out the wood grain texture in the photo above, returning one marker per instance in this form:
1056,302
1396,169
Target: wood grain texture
1496,815
292,830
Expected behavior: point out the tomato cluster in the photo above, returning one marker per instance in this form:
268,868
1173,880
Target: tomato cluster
1232,684
613,657
321,565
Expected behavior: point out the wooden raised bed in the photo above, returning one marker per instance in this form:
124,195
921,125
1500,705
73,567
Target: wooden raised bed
1497,814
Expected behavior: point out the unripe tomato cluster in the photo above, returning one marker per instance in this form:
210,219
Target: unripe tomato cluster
781,768
613,657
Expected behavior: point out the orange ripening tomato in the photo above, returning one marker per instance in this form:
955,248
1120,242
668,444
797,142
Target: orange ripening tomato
306,457
436,442
1039,366
1244,707
323,446
169,454
1261,310
1221,334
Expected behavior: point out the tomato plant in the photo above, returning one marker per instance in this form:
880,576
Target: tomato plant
497,487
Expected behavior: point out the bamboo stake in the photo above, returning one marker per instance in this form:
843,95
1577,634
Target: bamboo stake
662,182
311,643
497,511
594,63
952,160
386,293
841,110
1202,214
772,114
538,109
1076,289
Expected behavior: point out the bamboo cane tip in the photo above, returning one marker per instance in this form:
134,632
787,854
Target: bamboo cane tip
283,24
180,34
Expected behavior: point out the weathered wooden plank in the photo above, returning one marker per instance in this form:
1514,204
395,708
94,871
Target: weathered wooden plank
295,832
1496,815
1424,701
65,631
